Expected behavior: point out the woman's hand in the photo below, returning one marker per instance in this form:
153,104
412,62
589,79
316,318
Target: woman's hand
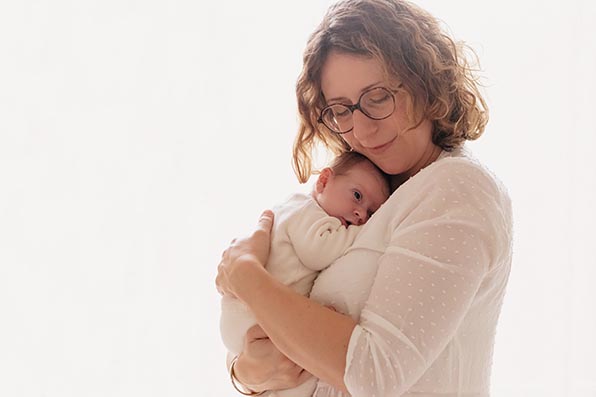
261,366
249,251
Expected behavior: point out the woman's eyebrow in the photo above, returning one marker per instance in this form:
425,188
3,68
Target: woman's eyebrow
360,93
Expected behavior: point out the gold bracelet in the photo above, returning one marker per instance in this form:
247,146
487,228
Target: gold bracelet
238,385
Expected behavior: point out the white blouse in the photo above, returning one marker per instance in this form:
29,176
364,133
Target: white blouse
425,280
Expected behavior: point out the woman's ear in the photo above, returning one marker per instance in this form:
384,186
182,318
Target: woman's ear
324,177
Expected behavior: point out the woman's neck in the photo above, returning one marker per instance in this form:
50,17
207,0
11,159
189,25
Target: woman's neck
427,158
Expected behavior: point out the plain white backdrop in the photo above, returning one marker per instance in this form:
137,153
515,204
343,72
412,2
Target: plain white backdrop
138,137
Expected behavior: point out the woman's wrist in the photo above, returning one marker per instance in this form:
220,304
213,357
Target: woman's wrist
239,375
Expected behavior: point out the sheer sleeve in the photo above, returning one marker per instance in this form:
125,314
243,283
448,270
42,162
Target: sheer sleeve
427,279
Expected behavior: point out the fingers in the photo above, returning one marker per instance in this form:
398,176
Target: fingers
257,246
219,280
255,332
303,377
265,221
293,374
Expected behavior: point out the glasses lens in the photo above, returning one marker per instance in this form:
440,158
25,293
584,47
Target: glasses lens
378,103
338,118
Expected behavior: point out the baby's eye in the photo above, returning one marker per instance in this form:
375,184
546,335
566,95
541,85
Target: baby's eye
357,195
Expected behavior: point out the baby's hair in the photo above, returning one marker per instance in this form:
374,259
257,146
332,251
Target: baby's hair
345,161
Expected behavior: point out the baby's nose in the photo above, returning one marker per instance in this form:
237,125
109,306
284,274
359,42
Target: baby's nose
361,215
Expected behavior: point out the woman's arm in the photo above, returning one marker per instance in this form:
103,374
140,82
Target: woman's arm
311,335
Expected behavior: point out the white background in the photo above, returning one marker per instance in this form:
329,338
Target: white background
138,137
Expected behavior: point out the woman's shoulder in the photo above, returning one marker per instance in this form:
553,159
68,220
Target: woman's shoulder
455,189
459,161
455,183
459,170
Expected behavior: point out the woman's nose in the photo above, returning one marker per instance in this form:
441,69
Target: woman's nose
363,126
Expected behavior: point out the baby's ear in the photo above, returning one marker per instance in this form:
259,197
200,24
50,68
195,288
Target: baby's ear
323,179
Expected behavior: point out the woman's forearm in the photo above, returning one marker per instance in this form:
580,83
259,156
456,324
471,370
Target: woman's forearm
311,335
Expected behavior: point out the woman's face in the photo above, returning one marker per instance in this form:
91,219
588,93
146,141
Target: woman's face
343,79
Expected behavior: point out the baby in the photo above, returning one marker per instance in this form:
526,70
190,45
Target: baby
309,233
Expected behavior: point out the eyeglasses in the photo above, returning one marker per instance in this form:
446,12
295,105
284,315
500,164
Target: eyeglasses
377,103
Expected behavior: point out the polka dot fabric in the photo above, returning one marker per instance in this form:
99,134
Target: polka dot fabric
426,279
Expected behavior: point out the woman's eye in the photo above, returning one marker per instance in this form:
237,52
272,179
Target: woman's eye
381,98
378,99
341,113
357,195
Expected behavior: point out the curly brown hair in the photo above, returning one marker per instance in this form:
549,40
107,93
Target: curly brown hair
409,43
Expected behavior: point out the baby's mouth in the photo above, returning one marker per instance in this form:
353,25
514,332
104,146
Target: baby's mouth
344,221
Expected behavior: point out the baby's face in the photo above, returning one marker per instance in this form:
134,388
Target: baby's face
354,196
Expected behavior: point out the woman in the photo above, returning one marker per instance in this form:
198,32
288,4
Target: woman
412,308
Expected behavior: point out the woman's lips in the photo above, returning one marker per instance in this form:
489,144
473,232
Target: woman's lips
381,148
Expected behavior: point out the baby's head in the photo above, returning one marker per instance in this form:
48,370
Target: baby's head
351,189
